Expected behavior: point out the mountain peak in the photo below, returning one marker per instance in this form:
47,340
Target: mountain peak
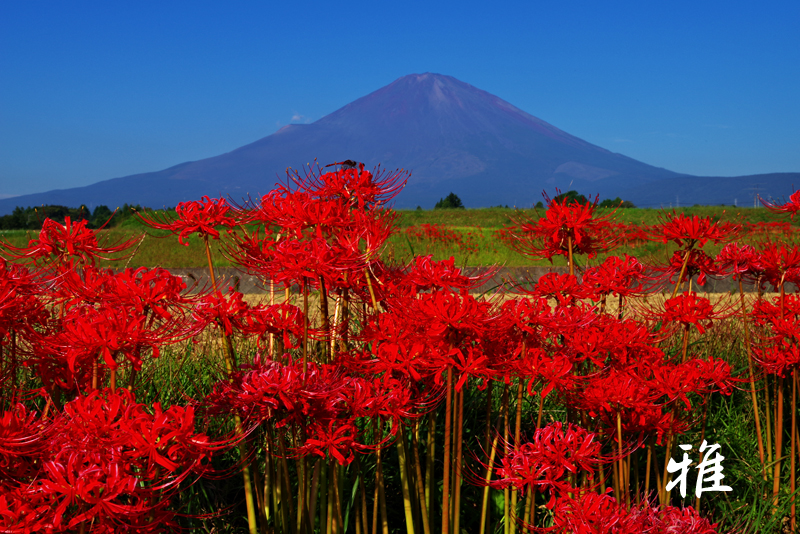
451,135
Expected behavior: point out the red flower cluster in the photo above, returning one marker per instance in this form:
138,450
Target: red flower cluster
106,464
196,217
568,227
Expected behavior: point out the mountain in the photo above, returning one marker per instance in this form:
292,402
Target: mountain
451,135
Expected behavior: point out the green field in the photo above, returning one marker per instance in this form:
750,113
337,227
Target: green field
475,226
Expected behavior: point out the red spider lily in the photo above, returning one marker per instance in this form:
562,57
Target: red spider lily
614,275
566,320
608,341
554,451
451,317
367,231
616,391
778,352
291,260
201,217
567,226
689,232
781,263
88,333
652,520
696,376
358,187
565,288
336,440
432,234
66,353
591,513
698,264
233,315
141,290
67,242
109,464
280,319
529,315
781,315
689,309
22,440
791,207
21,309
295,211
324,401
412,358
553,370
224,311
149,289
740,261
778,359
425,274
470,362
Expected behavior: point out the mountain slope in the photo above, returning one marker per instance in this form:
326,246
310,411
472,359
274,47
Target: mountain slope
452,136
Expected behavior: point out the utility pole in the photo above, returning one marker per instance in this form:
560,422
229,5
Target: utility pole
755,189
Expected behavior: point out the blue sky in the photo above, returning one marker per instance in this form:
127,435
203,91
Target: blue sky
96,90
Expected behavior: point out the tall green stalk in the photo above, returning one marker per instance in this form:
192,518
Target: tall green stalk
404,481
448,429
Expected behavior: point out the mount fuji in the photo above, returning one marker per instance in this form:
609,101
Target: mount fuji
450,135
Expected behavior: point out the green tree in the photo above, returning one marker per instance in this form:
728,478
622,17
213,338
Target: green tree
449,202
101,215
571,196
616,203
17,220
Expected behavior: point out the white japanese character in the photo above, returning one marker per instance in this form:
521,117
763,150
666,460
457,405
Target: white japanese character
710,470
683,466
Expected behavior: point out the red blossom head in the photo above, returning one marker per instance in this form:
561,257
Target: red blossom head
698,264
568,222
692,231
780,262
200,217
555,451
740,261
689,309
615,275
71,241
791,207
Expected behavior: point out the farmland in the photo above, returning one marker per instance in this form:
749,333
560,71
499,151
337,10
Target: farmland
467,235
371,390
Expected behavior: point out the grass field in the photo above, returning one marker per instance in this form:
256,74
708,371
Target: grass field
474,227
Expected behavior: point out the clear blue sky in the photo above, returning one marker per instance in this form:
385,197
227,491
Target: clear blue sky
96,90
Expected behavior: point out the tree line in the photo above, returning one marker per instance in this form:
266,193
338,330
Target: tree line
452,201
31,218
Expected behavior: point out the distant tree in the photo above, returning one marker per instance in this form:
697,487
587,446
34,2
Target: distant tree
419,208
451,201
571,196
101,215
539,205
17,220
616,203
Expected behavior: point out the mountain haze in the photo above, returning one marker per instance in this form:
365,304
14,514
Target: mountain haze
451,135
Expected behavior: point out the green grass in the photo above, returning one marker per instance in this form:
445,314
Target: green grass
477,226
